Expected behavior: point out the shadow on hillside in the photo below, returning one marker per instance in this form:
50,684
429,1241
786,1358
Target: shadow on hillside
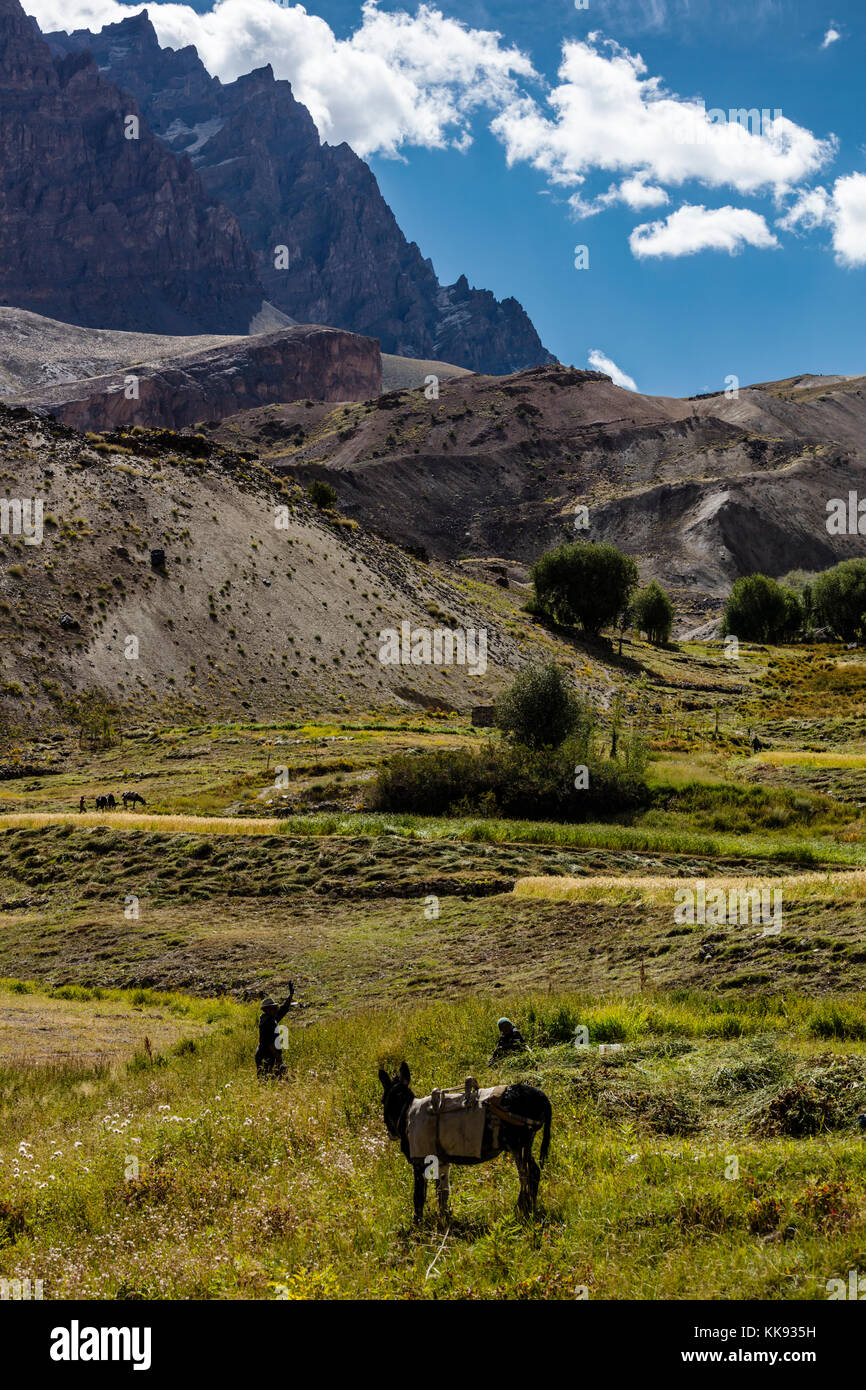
604,649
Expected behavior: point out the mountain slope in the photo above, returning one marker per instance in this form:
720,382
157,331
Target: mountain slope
245,614
699,491
257,149
99,229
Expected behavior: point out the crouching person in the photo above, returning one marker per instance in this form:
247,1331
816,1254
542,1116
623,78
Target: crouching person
510,1040
269,1054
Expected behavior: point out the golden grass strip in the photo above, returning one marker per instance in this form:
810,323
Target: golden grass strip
805,758
130,820
659,890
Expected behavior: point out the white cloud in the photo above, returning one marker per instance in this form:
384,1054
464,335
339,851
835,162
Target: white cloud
813,208
692,229
606,113
843,209
637,193
602,363
417,79
398,79
832,36
422,79
849,220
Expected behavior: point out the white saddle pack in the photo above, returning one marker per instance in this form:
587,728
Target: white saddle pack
450,1124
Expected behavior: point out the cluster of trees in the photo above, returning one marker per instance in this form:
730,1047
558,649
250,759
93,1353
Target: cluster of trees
760,609
97,717
592,585
548,764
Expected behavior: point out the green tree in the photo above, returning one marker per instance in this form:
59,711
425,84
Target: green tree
540,709
653,613
584,585
839,599
96,716
760,610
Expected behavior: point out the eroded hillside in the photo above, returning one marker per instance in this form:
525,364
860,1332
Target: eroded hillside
698,490
263,601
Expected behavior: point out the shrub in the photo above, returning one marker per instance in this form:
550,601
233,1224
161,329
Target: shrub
760,610
653,613
585,585
839,599
508,781
540,709
321,495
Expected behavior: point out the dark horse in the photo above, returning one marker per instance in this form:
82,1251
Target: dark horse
131,798
530,1109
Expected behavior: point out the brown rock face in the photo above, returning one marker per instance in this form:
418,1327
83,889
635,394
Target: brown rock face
302,363
98,228
257,149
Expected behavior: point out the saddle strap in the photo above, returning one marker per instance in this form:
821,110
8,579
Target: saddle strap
501,1114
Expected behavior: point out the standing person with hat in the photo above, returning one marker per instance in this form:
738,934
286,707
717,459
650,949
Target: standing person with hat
269,1055
510,1040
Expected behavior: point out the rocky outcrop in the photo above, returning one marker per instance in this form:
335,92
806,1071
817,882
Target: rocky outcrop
97,228
347,262
301,363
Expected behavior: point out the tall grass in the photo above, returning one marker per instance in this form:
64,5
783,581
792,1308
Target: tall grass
252,1190
603,836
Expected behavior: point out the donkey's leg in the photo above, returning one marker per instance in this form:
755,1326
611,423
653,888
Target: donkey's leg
534,1179
443,1190
523,1201
419,1194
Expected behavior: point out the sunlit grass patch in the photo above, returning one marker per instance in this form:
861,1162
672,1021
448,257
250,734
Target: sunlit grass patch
661,890
810,758
61,1028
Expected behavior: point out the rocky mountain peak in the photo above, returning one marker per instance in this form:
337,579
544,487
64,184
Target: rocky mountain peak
256,149
100,224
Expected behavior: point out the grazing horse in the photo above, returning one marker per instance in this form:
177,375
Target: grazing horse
130,799
510,1127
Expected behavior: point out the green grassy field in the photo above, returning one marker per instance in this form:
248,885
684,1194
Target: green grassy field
407,936
715,1155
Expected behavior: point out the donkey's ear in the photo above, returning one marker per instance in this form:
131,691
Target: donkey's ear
404,1074
385,1079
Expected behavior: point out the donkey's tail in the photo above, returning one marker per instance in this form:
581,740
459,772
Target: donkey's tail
545,1138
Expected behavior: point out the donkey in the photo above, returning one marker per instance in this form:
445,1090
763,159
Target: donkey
102,803
131,798
529,1109
110,801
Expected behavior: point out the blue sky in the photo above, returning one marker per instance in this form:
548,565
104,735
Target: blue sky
437,109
